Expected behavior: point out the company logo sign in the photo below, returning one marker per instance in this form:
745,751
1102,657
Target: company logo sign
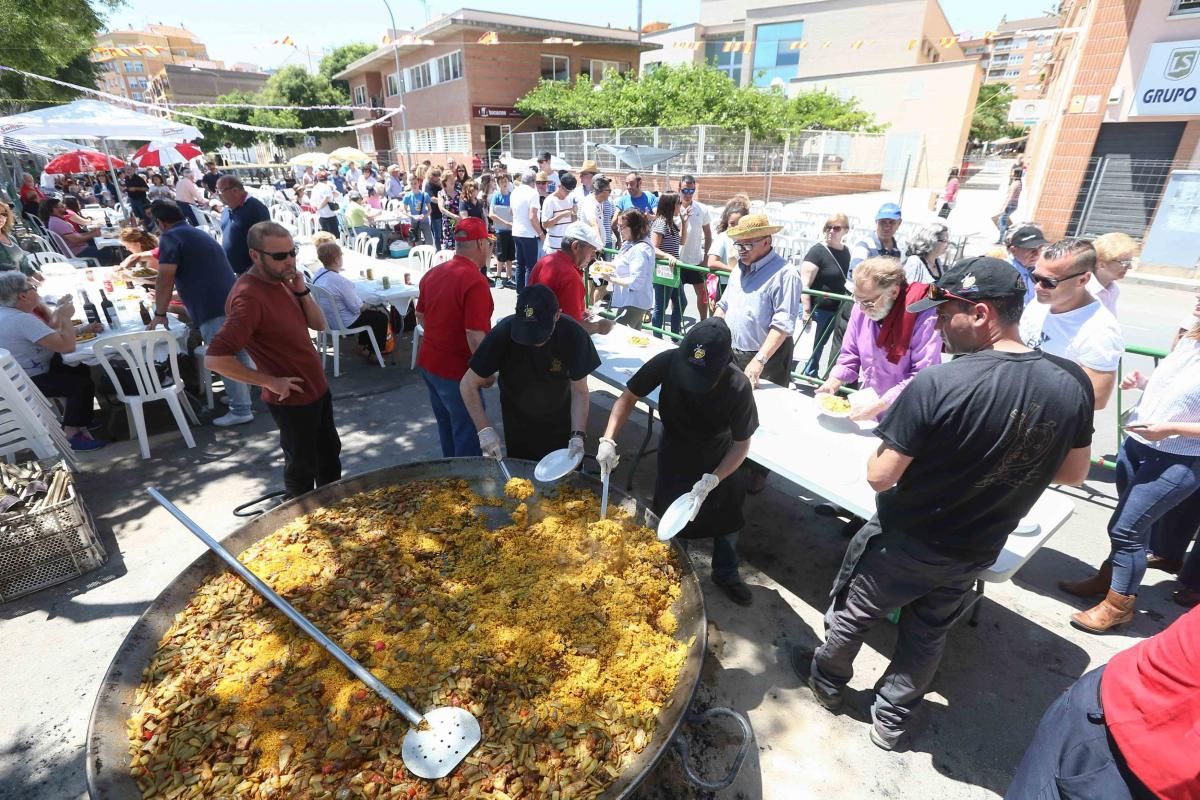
1170,83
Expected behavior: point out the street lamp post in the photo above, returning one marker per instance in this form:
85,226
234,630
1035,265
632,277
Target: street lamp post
400,89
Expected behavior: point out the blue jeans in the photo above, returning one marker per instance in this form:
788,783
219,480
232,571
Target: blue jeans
661,295
455,428
1005,218
374,233
238,394
724,558
527,256
822,319
1149,484
437,232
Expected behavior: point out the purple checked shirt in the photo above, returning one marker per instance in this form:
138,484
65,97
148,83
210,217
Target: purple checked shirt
863,360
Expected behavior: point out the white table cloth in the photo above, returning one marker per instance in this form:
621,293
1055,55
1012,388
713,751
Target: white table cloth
85,351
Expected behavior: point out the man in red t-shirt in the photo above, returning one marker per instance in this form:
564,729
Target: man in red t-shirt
268,313
562,271
1129,729
455,309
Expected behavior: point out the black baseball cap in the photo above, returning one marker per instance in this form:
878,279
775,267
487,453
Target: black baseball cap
706,349
1028,236
971,279
537,311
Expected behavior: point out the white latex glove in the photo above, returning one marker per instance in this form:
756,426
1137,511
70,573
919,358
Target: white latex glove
701,489
575,446
606,454
489,443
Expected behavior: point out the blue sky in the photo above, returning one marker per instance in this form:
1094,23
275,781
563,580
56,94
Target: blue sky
241,30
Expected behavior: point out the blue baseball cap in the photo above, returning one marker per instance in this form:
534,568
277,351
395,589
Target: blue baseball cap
888,211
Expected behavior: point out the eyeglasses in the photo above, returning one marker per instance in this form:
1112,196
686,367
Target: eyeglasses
283,255
687,191
869,304
1124,262
1053,283
834,228
748,244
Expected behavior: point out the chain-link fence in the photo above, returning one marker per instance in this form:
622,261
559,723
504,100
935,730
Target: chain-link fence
711,150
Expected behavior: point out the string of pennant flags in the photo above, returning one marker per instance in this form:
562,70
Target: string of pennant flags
803,44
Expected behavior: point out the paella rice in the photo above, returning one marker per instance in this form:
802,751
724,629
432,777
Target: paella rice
237,702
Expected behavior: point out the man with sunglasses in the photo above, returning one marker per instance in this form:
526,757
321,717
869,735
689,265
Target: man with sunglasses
699,222
1025,246
193,263
1067,321
966,451
269,313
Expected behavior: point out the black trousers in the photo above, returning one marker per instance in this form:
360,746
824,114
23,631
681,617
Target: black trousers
1073,756
378,321
840,323
329,224
74,385
311,447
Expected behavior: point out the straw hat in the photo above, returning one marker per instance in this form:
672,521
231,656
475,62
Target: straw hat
541,177
589,166
752,226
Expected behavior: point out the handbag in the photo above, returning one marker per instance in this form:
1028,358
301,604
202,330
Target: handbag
332,206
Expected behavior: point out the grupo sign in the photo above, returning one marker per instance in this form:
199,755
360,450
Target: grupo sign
1170,81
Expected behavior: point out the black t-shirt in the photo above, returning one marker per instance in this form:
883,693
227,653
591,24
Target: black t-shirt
536,380
470,209
986,432
833,267
725,412
209,179
136,186
433,190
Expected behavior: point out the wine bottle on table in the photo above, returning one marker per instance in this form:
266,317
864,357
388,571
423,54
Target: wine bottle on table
109,310
145,313
89,309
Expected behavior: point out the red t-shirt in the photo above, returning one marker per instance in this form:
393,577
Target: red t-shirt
1151,697
558,271
265,319
455,298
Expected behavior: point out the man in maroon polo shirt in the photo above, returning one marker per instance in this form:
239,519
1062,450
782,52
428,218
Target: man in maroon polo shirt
563,269
268,314
455,309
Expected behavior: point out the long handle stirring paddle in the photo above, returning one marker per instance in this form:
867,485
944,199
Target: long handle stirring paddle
448,734
605,473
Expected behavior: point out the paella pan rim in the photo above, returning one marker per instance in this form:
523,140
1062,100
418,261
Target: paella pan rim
108,775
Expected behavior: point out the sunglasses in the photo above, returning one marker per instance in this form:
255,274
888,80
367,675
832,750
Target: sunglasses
834,228
1053,283
687,191
938,293
282,255
748,244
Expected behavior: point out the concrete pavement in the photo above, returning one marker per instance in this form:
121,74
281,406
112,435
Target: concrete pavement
994,684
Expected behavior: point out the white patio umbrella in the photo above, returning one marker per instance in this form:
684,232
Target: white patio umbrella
91,119
515,165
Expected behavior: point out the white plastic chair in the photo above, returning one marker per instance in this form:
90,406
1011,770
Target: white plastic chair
60,245
203,375
441,257
360,242
44,262
28,421
421,257
418,332
370,247
325,300
137,350
306,225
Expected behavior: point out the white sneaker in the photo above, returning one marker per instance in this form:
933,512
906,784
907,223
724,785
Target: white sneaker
233,419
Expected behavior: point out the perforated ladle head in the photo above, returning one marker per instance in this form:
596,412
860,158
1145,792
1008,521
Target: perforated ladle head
450,735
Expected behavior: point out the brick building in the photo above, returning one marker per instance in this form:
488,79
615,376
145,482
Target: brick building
176,83
1018,52
127,60
1119,145
460,93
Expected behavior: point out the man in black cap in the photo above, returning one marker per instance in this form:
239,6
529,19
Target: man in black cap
967,449
708,415
1025,246
543,360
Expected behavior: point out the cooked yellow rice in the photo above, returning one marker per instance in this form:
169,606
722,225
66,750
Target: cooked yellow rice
558,635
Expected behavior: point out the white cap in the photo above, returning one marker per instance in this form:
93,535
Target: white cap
583,232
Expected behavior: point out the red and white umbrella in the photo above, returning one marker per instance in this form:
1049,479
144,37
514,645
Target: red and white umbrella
80,161
160,154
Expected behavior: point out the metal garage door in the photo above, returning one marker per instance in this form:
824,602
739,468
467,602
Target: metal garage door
1125,177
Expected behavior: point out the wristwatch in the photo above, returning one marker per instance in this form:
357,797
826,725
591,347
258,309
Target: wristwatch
162,314
306,291
760,358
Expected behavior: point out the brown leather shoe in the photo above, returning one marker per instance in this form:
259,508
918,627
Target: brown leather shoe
1094,586
1163,564
1115,609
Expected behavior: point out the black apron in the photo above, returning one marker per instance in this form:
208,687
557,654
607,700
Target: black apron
684,460
535,404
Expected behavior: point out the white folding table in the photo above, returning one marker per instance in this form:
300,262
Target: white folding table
827,456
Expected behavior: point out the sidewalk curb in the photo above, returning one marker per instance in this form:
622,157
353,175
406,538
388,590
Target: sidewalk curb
1164,281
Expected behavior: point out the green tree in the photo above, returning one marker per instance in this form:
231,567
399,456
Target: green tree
339,59
214,135
990,120
293,86
52,38
681,96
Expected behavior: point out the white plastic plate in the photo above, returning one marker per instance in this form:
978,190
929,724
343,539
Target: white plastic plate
556,465
676,517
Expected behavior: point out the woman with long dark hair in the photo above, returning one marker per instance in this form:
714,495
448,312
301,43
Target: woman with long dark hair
667,235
